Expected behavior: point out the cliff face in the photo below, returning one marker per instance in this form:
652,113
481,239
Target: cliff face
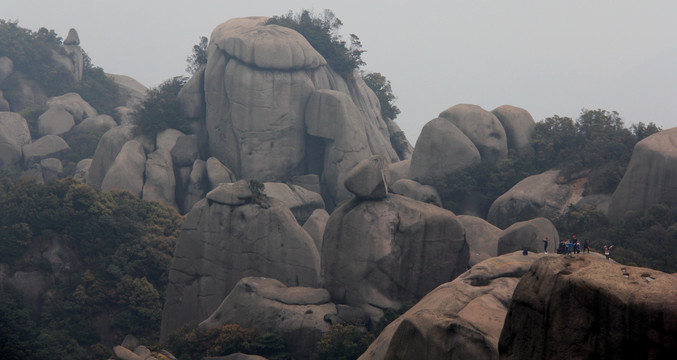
584,307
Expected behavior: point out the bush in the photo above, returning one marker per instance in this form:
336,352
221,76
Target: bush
97,89
343,342
162,110
384,92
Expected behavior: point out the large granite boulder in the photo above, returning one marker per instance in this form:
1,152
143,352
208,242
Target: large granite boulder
300,201
315,225
52,169
383,254
131,91
539,195
196,186
400,169
482,238
42,148
82,170
127,171
441,149
528,235
97,124
482,128
584,307
471,308
518,125
55,121
160,183
106,151
297,314
370,178
220,244
651,176
73,104
185,151
217,173
191,96
416,191
14,134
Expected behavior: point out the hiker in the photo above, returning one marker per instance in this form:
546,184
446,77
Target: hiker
545,244
586,246
607,251
577,247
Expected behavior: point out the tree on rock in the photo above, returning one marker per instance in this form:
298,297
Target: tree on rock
198,57
383,90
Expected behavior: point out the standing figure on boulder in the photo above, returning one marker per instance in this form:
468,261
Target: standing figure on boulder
577,247
586,246
545,244
607,251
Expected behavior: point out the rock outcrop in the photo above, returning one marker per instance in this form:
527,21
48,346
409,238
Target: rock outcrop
382,254
416,191
300,201
14,134
467,312
482,238
126,172
106,151
584,307
369,179
517,123
221,242
482,128
528,235
42,148
651,176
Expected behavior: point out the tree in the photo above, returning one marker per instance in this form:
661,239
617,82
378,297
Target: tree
161,108
198,57
384,92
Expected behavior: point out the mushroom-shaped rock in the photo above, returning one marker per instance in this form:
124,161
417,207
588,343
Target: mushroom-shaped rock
126,172
295,313
480,296
482,238
537,195
651,176
482,128
265,46
218,173
441,149
527,235
300,201
369,179
106,151
220,244
517,123
42,148
315,225
416,191
72,38
74,104
14,134
382,254
55,121
585,307
160,183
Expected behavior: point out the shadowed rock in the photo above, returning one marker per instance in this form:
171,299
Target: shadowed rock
517,123
482,238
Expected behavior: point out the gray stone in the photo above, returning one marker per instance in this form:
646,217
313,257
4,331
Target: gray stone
55,121
196,188
127,171
52,169
300,201
72,38
441,149
218,173
98,124
14,134
42,148
143,352
370,178
6,68
416,191
185,150
123,353
482,128
166,139
74,104
220,244
399,170
412,247
82,170
528,235
159,183
518,125
4,104
130,342
308,181
106,151
236,193
482,238
191,96
26,92
315,225
125,115
132,92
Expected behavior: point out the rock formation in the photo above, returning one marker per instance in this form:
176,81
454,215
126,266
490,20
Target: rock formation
14,134
584,307
416,191
482,128
517,123
482,238
528,235
651,176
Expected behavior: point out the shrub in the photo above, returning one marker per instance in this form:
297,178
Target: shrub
162,110
343,342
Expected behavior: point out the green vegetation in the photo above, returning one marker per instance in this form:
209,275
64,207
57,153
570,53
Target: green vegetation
192,342
198,57
96,88
119,248
322,32
384,92
162,110
343,342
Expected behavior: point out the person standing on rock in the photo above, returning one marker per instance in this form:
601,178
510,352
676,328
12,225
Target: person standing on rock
545,244
586,246
607,251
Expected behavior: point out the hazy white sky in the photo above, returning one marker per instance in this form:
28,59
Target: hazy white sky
548,57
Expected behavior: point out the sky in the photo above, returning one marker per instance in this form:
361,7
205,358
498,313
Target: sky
548,57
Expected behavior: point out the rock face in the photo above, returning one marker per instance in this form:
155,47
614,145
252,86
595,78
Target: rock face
220,244
538,195
369,179
416,191
126,172
442,148
528,235
300,201
74,105
55,121
582,307
14,134
382,254
517,123
160,183
106,151
315,226
42,148
651,176
468,311
482,128
297,314
482,238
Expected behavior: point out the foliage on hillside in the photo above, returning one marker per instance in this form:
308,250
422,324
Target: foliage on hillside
161,108
96,88
122,247
384,92
322,32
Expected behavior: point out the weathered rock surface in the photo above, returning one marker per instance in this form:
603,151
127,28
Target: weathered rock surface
528,235
441,149
191,96
166,139
295,313
196,188
185,151
584,307
42,148
74,104
220,244
52,169
651,176
482,238
518,124
315,225
26,92
97,124
160,183
416,191
536,196
237,193
300,201
132,92
482,128
400,170
55,121
14,134
473,305
126,172
382,254
82,170
218,173
370,178
6,67
106,151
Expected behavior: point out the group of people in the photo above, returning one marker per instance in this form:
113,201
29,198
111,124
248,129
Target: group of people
573,246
